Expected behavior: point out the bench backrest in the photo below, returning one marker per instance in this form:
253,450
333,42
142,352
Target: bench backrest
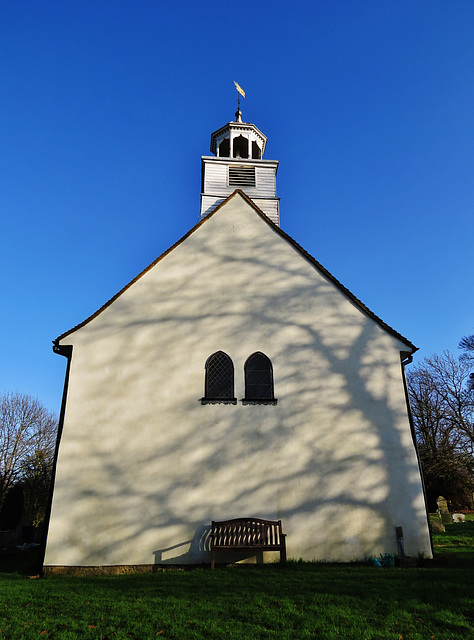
247,532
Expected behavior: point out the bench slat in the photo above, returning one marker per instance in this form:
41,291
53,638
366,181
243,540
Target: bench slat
250,534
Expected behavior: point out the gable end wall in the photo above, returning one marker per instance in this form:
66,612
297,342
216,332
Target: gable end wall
144,467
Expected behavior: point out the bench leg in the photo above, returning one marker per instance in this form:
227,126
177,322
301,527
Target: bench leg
213,557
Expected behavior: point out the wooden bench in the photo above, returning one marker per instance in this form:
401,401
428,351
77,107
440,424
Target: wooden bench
249,534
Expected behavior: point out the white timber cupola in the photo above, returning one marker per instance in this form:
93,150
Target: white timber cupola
238,163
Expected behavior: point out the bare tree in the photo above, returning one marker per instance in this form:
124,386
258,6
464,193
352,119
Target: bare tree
467,345
27,432
35,481
443,413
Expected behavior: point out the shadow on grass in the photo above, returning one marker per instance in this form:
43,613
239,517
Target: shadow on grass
455,546
296,600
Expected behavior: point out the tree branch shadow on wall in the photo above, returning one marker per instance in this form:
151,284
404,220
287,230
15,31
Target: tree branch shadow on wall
224,450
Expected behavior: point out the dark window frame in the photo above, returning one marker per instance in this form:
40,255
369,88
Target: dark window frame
219,383
259,381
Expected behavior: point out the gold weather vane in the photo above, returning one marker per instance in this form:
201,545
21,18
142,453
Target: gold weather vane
239,89
240,92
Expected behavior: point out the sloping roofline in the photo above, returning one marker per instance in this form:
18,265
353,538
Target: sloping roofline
284,235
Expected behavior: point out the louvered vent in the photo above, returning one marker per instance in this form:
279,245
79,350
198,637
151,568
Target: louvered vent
241,177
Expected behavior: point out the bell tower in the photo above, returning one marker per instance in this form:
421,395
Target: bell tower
238,163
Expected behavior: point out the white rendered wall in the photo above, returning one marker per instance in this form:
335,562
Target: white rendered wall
143,467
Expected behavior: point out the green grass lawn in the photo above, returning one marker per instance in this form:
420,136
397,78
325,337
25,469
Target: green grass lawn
296,601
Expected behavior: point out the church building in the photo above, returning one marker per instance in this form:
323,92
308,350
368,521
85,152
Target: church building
234,377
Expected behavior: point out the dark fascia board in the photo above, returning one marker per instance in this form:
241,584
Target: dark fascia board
283,234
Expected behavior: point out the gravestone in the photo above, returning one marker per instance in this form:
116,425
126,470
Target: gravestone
437,525
443,510
459,517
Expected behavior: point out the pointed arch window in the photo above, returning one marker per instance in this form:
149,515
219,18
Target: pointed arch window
258,373
219,384
256,152
224,148
240,147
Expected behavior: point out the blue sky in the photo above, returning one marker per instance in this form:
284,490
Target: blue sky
107,106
